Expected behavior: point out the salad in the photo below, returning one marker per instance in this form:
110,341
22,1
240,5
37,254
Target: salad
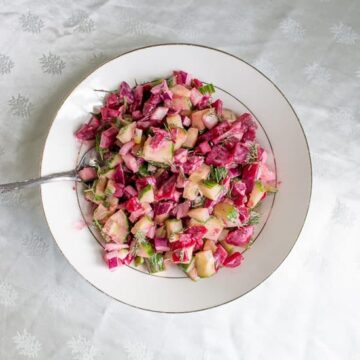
180,180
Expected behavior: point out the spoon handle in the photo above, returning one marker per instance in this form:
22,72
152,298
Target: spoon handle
66,175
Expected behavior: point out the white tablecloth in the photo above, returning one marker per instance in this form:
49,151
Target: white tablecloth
308,309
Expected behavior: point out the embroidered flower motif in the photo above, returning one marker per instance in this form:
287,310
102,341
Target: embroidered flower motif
20,106
138,28
137,351
31,23
344,34
6,64
52,64
27,344
8,294
59,299
292,30
342,114
317,74
342,214
35,245
82,348
81,22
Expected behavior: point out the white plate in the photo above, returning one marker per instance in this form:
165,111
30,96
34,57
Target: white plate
242,87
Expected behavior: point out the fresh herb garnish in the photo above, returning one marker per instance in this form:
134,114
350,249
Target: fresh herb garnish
260,186
217,173
207,89
249,245
144,190
254,218
97,224
140,236
253,154
156,82
210,183
198,202
138,261
270,188
109,191
166,127
143,170
155,263
171,81
232,214
98,148
159,165
106,91
99,197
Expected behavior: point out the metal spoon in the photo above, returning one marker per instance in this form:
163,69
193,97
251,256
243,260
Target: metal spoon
90,158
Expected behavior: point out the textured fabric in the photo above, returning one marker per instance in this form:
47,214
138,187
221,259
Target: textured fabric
308,309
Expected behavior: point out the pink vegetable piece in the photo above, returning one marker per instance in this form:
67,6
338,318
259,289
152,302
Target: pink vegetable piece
182,78
244,214
233,260
108,114
218,106
108,137
133,204
118,175
204,147
192,163
195,96
114,263
163,208
204,102
249,175
234,172
87,174
167,190
159,113
220,255
219,156
186,121
241,236
161,244
215,132
131,163
240,153
126,147
180,156
137,115
181,181
238,188
266,174
88,131
197,83
129,192
126,93
210,120
144,181
183,209
119,190
151,232
112,101
109,247
135,215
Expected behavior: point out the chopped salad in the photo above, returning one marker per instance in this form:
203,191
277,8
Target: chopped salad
181,177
